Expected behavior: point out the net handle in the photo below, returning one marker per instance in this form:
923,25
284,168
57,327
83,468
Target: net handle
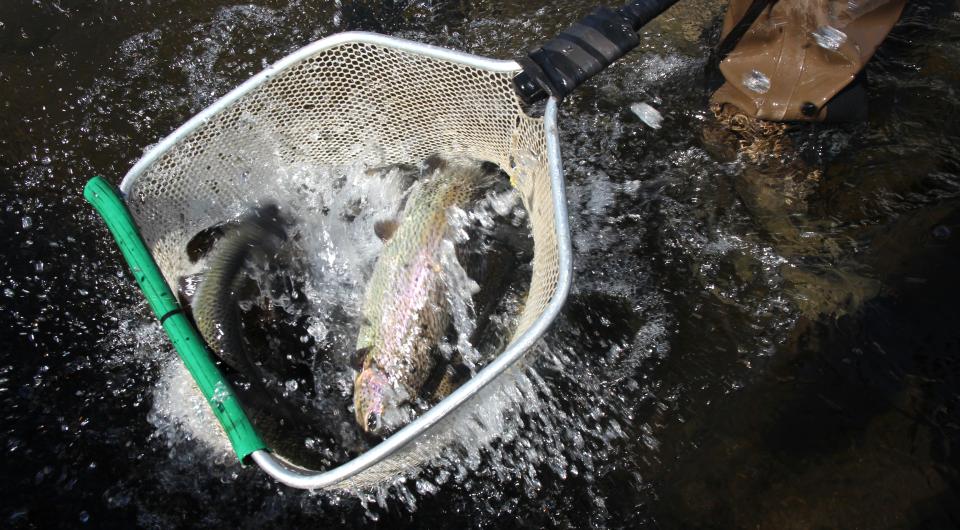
593,43
180,329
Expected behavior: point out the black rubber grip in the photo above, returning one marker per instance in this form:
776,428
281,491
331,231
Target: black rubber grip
642,12
170,313
589,46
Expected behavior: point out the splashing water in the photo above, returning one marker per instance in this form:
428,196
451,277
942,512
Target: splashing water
829,37
756,81
332,237
459,295
484,217
648,114
182,416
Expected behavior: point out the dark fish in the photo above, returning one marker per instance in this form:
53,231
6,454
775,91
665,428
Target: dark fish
257,235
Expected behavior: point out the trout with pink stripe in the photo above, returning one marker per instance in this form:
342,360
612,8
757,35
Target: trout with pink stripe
405,313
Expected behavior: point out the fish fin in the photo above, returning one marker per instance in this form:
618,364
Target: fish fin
203,241
385,229
518,240
359,356
444,379
434,163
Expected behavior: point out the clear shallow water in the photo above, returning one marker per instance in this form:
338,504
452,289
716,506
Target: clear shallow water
737,352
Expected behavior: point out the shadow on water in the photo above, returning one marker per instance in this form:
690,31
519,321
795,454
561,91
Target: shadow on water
739,350
856,428
854,422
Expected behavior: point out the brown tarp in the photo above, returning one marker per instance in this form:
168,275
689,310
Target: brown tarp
798,54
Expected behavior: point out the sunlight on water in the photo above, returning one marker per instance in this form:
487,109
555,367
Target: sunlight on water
183,417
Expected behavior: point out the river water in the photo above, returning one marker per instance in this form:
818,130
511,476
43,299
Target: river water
762,344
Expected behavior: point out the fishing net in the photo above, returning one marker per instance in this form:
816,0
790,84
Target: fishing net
356,97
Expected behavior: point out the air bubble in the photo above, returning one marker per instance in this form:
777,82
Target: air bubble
317,330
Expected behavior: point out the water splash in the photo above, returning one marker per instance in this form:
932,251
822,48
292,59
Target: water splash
829,37
647,114
494,212
182,417
756,81
334,211
459,294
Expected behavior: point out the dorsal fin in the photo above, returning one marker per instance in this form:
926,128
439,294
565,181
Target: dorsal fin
433,164
385,229
358,357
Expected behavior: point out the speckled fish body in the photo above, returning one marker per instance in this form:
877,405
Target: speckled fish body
405,312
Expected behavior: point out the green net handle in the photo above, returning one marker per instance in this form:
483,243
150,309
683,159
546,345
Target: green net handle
186,340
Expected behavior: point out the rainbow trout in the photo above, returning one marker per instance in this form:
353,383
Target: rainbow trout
405,314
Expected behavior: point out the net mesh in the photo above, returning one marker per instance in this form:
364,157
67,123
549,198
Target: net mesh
355,101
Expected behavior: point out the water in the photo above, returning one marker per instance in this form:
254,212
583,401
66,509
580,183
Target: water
829,37
300,312
756,81
740,349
